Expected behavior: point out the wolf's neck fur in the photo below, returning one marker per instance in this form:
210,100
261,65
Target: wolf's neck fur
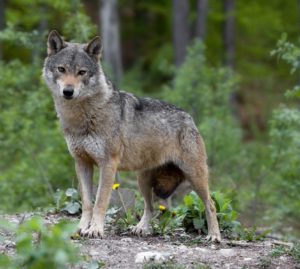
75,115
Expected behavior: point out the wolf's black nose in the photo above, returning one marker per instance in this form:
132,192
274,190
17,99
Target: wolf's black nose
68,92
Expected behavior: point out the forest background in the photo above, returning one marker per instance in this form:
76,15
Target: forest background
232,64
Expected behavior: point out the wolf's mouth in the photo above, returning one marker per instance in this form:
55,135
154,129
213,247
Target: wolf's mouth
68,97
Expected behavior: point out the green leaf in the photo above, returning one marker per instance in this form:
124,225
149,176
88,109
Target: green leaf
188,200
5,262
72,208
71,192
95,265
61,257
198,223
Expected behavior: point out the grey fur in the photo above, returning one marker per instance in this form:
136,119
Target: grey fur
116,130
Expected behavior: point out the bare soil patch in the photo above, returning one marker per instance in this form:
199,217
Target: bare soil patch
119,250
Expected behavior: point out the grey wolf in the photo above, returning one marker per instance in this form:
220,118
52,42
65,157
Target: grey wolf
116,130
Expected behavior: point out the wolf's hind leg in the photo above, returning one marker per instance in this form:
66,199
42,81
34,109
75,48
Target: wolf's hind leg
198,177
145,186
84,171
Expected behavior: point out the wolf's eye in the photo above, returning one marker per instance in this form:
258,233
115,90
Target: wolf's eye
81,72
61,69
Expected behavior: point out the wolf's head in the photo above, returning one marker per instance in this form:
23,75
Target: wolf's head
72,70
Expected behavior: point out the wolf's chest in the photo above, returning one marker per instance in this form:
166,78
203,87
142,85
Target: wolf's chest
86,147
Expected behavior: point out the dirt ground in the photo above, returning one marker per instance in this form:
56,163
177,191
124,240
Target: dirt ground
179,250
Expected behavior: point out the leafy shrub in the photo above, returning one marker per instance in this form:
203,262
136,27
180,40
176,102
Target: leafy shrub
293,251
68,201
284,145
36,161
192,213
190,216
39,246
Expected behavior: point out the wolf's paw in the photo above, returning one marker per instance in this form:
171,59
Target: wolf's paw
95,230
141,229
83,225
214,237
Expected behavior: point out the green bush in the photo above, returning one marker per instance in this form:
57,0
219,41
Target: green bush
39,246
192,213
36,160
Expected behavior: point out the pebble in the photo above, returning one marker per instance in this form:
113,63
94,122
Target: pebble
203,250
247,259
94,253
182,247
149,256
228,252
126,239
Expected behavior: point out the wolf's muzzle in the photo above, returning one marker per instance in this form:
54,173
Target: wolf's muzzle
68,92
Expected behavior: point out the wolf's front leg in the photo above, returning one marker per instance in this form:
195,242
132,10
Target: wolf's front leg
107,176
145,186
84,171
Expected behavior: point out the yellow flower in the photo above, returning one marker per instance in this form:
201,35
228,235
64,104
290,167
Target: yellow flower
75,236
162,208
116,186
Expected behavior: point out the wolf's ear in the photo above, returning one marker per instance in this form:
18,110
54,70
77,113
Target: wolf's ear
55,42
94,48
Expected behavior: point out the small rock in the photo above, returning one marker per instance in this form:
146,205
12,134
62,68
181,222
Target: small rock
227,252
213,246
283,258
151,256
247,259
203,250
182,247
9,244
94,253
128,239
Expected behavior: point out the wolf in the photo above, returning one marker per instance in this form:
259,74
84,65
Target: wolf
118,131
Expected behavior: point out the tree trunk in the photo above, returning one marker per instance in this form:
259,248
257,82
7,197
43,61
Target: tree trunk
2,24
180,29
110,28
202,8
229,42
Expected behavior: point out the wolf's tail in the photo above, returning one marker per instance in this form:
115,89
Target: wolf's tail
165,179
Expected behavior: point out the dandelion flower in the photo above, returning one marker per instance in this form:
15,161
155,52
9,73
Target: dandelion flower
162,208
116,186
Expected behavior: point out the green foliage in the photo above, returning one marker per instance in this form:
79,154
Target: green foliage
127,220
36,161
35,157
165,221
96,265
205,266
293,251
193,218
284,145
290,53
251,234
261,175
39,246
265,262
68,201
